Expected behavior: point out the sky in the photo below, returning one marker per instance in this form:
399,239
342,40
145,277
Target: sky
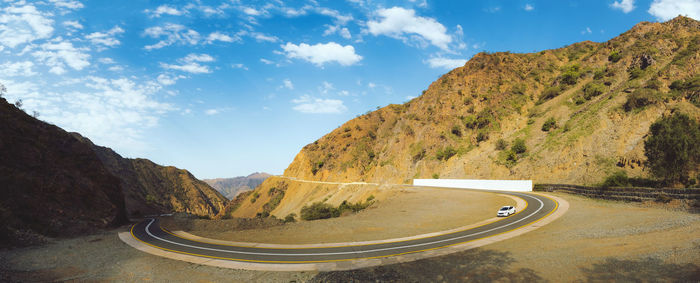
228,88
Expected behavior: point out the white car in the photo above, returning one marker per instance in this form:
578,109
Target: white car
506,211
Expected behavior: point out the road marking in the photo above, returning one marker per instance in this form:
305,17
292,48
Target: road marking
363,251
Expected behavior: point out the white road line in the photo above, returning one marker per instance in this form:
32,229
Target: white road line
349,252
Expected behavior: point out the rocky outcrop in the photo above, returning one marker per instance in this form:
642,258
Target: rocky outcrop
149,188
51,183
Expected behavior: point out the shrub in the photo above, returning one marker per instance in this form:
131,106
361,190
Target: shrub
550,93
469,121
482,136
579,100
530,121
591,90
511,156
571,75
673,147
636,73
663,198
370,198
436,176
599,74
549,124
318,210
617,179
519,146
290,218
501,144
640,98
614,56
456,130
417,151
654,84
445,153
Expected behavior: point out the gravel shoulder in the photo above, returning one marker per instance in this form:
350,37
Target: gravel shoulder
408,212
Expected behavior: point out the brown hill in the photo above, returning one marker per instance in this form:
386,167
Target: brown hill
582,111
232,187
149,188
51,183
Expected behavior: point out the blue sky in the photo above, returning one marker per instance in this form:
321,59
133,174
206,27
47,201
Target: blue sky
227,88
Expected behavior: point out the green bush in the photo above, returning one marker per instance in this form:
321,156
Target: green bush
417,151
550,93
591,90
614,56
519,146
436,176
636,73
673,147
617,179
690,88
571,74
319,210
150,198
445,153
456,130
501,144
482,136
551,123
290,218
640,98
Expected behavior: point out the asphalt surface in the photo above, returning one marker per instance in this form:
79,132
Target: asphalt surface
150,233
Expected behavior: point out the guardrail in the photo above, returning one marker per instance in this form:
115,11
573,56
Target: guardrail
623,193
499,185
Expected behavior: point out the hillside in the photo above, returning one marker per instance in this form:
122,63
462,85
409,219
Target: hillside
52,184
232,187
149,188
581,111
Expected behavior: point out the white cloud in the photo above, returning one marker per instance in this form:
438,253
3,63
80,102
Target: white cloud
17,69
106,60
529,7
218,36
165,10
321,53
251,11
173,33
262,37
342,31
191,64
307,104
445,63
267,62
60,53
239,66
73,24
166,80
287,83
105,39
587,31
211,112
397,22
339,18
111,112
24,24
325,87
625,6
665,10
371,85
116,68
67,4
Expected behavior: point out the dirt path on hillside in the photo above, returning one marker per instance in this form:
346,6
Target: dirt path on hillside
408,212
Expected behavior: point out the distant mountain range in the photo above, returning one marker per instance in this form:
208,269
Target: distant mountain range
232,187
54,183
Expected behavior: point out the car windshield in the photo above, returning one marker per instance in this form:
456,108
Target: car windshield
504,208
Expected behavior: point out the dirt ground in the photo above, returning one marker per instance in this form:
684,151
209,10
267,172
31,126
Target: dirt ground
594,241
410,212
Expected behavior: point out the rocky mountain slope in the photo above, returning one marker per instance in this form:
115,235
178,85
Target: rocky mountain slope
51,183
149,188
55,183
575,114
232,187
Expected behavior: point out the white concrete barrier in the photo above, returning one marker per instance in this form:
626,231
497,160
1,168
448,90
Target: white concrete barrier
499,185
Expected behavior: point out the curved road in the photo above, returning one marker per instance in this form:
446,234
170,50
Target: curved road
150,233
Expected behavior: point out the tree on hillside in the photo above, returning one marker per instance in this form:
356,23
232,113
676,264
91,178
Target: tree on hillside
673,147
3,90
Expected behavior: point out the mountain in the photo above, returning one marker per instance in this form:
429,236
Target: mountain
54,183
51,183
149,188
232,187
575,115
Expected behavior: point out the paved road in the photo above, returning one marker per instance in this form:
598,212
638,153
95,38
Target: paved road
149,232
